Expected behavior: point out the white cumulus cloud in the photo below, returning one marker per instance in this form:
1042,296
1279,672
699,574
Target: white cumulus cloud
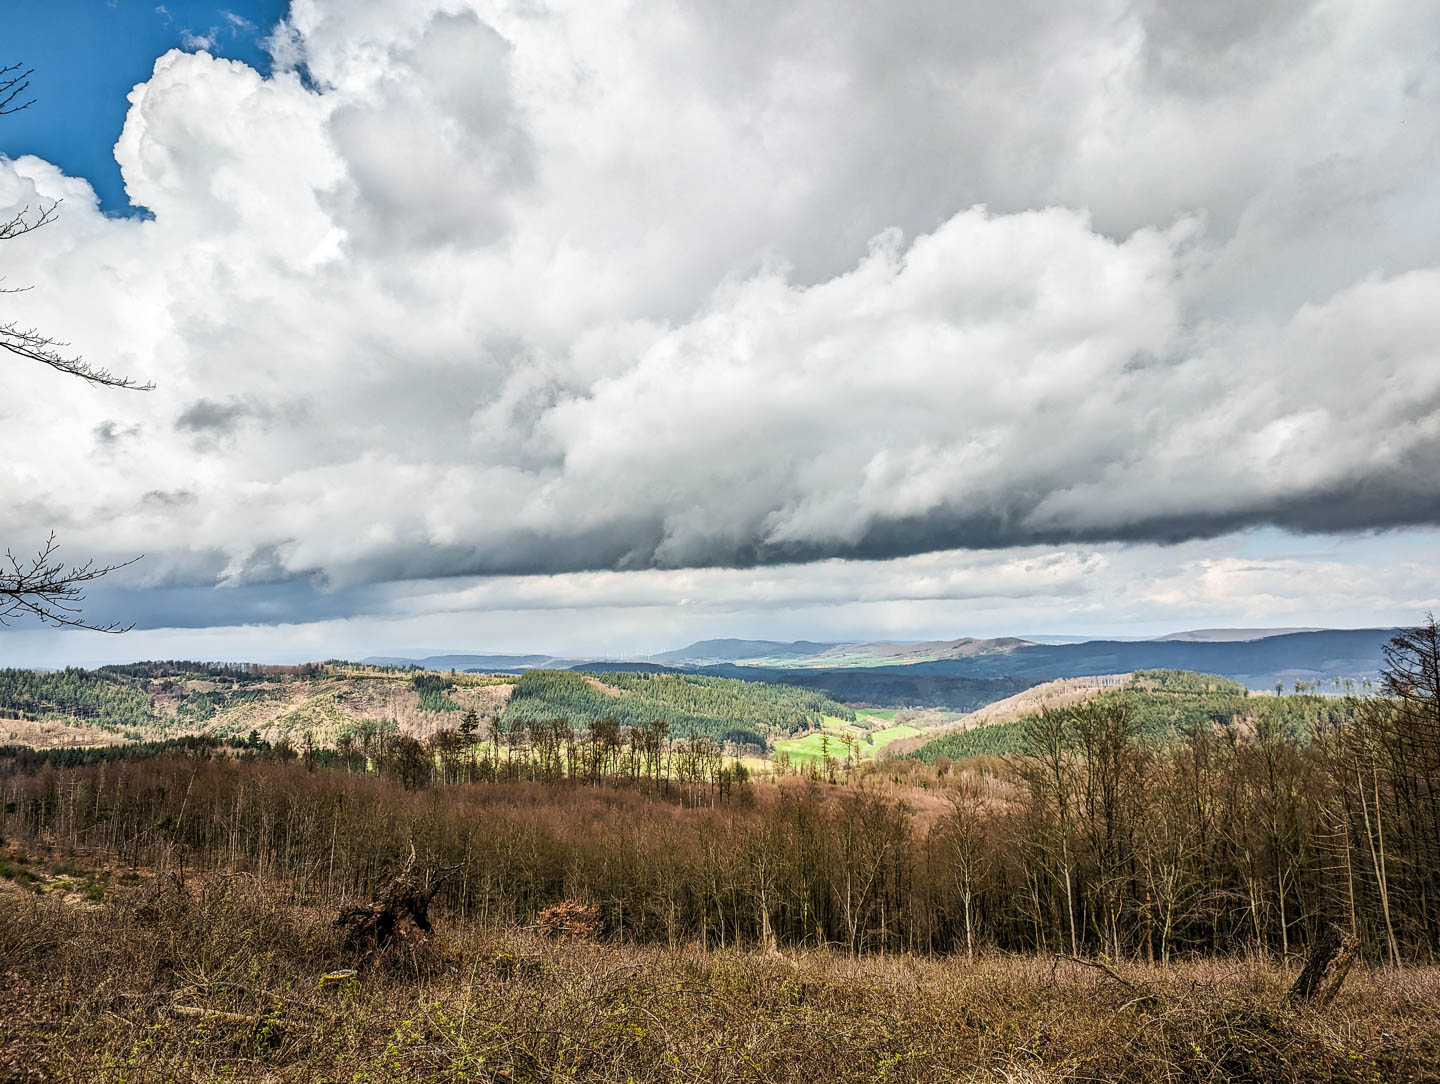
474,288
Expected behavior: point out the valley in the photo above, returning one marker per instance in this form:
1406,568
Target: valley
1151,853
813,719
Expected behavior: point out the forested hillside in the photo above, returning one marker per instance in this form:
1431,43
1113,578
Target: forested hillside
1165,705
157,700
723,709
902,687
107,700
320,703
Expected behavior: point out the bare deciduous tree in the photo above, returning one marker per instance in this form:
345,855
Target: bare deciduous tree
43,586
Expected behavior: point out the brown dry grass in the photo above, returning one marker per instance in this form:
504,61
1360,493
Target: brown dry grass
218,979
50,734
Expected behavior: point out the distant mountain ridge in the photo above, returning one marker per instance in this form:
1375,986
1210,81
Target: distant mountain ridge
706,651
1216,636
844,654
1257,658
466,662
1311,657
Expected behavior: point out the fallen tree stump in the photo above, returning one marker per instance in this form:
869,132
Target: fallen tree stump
1325,969
400,912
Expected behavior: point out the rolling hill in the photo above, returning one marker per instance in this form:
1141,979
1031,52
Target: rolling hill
158,700
1165,705
809,655
1312,657
487,663
952,673
146,702
712,651
732,712
1325,656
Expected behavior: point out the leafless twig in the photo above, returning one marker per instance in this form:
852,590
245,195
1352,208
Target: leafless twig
45,588
13,85
30,343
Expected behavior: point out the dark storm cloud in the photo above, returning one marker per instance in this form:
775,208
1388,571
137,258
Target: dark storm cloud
110,432
208,418
171,497
201,606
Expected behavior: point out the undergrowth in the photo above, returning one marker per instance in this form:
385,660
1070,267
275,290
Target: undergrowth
218,979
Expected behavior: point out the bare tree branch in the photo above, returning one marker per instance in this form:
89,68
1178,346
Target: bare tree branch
33,345
29,343
45,588
13,85
21,223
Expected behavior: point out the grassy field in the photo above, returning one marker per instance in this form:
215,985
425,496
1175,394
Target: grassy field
867,730
892,733
119,977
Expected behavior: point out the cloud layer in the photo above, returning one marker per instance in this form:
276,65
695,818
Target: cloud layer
475,289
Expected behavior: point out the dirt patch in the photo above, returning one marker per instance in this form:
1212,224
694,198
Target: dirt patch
599,686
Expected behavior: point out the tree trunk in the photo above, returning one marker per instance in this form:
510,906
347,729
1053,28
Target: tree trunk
1328,964
401,907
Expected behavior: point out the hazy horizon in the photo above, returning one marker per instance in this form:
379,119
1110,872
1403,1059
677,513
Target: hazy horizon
53,656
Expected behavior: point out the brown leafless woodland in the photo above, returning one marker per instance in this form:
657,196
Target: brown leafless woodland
1094,845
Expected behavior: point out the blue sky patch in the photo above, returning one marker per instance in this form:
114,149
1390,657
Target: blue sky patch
88,54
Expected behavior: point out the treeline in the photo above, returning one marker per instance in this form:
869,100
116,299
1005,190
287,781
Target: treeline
1165,706
23,759
110,702
1094,840
228,671
725,710
1219,845
551,750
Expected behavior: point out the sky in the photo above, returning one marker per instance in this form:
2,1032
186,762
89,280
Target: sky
599,327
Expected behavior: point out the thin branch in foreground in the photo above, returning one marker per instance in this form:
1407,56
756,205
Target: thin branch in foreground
31,344
21,223
13,84
43,587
